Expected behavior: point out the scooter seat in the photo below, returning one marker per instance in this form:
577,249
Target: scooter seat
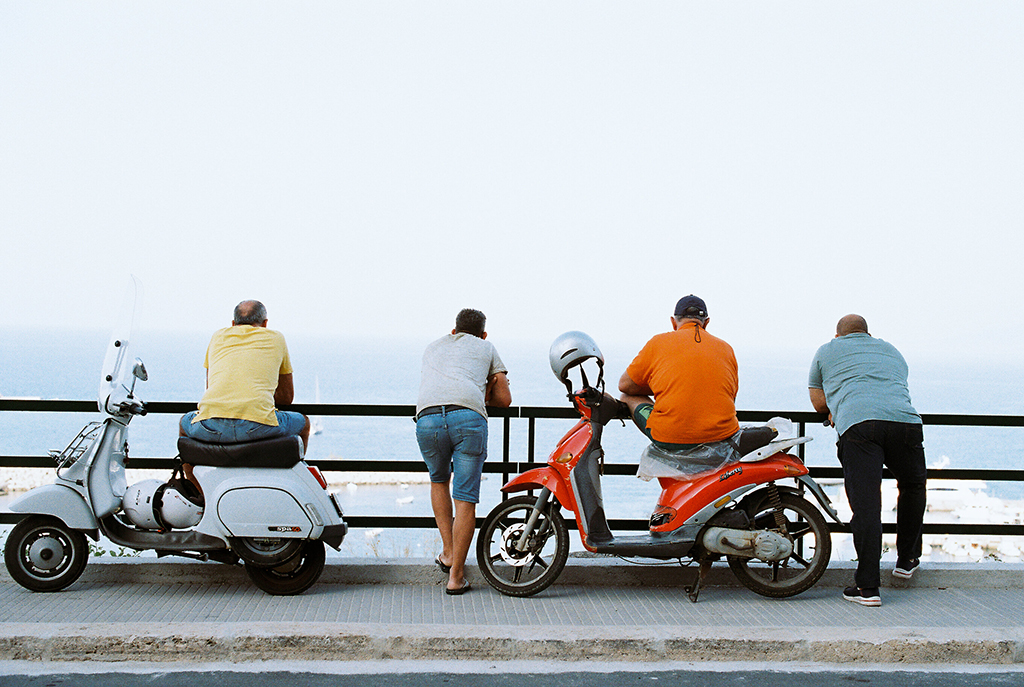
280,452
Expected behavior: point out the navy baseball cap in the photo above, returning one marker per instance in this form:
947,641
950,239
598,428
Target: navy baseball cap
691,306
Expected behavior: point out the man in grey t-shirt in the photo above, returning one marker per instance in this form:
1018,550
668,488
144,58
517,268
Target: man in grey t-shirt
861,382
462,374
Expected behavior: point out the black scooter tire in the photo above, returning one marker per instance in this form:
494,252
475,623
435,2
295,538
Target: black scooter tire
493,553
45,555
812,541
292,577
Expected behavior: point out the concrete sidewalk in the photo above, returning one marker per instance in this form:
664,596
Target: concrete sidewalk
600,609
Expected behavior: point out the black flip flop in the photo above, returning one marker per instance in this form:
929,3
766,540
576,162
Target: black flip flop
458,590
444,568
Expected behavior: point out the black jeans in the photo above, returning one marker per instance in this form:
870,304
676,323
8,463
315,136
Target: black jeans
863,450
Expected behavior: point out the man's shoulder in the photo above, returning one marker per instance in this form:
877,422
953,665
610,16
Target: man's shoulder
247,333
460,342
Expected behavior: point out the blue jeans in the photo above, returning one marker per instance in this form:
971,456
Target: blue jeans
218,430
455,441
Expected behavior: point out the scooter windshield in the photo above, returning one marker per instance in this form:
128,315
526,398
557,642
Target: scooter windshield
117,363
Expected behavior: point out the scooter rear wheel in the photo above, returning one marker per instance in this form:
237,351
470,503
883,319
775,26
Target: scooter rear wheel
292,577
522,573
812,549
45,555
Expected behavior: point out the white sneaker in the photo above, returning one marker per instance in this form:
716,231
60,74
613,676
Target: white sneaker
905,569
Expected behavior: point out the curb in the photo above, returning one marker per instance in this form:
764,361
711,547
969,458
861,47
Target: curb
209,642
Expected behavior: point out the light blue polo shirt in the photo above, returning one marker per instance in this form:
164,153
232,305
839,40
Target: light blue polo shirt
863,378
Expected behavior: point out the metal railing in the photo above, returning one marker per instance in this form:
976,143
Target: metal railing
508,467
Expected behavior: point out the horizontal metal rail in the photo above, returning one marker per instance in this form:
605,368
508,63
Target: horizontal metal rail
508,467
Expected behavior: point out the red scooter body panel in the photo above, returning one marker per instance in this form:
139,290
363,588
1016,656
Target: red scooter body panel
572,446
544,477
555,476
686,498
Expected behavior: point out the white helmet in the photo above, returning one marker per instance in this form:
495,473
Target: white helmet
140,504
571,349
154,505
178,512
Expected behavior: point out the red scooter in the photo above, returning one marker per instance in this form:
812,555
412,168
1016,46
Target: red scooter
775,541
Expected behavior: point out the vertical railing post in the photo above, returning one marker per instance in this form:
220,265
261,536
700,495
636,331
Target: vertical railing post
531,429
801,432
505,453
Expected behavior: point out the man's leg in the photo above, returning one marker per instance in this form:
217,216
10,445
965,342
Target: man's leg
468,432
435,446
904,456
861,457
441,504
640,408
186,469
304,435
462,539
289,423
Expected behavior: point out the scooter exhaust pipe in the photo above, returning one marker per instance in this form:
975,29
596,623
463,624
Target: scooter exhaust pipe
763,544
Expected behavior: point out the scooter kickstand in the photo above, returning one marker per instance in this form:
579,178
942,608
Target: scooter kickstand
693,590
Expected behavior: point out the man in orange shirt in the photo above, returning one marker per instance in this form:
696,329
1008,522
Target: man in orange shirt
693,377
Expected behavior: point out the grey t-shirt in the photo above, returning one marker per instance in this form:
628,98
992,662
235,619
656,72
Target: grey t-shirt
863,378
455,372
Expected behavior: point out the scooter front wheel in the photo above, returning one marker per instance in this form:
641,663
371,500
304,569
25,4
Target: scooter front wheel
812,549
293,576
525,572
45,555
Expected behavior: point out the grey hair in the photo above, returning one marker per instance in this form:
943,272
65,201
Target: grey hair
250,312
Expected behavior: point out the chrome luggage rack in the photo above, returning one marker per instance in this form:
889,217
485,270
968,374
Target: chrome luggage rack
79,445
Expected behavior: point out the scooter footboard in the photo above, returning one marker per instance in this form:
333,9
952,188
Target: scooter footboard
122,535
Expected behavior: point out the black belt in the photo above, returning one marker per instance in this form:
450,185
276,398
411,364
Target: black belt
442,410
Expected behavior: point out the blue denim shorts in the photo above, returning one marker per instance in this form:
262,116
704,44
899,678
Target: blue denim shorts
455,442
218,430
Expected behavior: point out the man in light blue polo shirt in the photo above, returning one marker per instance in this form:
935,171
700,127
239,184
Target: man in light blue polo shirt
861,382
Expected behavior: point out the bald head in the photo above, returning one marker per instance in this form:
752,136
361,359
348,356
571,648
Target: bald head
852,324
250,312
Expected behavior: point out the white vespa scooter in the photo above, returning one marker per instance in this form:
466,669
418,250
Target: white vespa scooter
263,503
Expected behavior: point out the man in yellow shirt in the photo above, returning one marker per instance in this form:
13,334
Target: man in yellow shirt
248,374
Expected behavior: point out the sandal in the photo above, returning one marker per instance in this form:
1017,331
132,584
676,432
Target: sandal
458,590
444,568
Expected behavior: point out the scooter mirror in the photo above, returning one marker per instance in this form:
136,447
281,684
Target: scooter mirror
139,371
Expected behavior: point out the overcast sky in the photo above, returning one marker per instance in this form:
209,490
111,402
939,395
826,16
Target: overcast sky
372,167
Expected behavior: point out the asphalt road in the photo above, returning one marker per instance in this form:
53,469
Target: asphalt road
498,675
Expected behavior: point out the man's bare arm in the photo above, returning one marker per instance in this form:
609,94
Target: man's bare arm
498,394
631,388
818,401
285,392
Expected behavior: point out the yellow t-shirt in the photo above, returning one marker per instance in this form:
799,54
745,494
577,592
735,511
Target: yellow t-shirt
243,364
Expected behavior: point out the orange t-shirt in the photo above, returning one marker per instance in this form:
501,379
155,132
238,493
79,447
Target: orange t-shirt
694,385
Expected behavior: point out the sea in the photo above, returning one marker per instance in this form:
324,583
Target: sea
56,364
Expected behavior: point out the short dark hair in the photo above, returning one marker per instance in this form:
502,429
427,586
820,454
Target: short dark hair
470,321
250,312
